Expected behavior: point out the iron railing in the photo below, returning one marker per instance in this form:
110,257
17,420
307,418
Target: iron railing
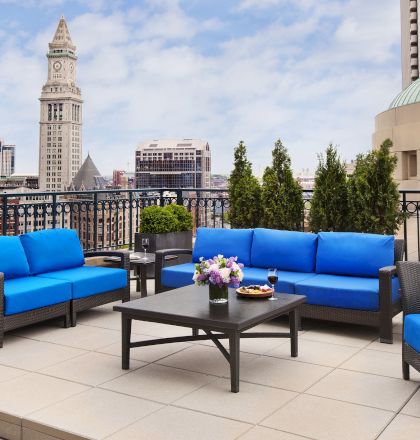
110,218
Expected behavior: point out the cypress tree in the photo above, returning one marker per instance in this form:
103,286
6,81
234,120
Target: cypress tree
329,205
373,193
244,192
282,199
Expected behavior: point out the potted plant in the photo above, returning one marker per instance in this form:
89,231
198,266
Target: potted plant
166,227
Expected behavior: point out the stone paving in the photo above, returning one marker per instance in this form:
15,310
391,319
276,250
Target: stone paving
68,384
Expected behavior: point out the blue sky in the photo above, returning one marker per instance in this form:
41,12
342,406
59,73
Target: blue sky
309,72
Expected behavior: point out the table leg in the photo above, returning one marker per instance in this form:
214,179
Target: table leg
234,340
137,272
195,331
293,322
125,343
143,280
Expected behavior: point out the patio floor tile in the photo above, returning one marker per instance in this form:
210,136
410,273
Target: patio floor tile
315,352
379,363
402,428
158,383
413,406
34,355
331,333
81,336
364,389
33,391
90,368
203,359
326,419
151,353
181,424
94,414
252,404
8,373
396,347
282,373
261,433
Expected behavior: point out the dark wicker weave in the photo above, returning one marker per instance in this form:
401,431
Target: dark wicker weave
409,275
12,322
78,305
381,318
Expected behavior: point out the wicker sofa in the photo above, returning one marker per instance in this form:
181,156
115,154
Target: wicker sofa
346,277
42,276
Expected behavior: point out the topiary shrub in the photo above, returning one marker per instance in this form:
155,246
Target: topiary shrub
158,220
185,220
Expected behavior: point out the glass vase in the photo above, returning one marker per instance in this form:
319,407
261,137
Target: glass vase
218,295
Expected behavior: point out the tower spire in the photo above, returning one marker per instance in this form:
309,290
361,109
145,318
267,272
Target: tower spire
62,37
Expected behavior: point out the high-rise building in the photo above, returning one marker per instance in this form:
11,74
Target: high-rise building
173,163
7,159
409,41
60,132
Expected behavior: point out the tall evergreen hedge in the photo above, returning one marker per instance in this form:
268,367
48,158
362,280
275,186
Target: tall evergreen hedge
282,199
244,192
329,205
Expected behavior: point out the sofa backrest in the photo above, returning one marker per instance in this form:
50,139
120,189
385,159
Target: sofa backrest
285,250
13,262
52,249
210,242
353,253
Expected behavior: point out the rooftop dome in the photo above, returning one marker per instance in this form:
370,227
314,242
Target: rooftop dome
410,95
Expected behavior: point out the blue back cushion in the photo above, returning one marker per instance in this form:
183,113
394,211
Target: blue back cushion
210,242
13,262
285,250
354,254
52,249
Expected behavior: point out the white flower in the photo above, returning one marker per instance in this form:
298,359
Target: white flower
225,274
214,266
220,256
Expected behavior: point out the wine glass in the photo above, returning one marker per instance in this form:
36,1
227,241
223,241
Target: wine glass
272,279
145,245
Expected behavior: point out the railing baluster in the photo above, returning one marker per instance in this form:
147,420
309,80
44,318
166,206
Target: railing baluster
95,221
404,209
130,219
4,215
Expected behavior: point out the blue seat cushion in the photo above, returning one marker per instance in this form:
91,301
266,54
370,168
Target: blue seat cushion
285,284
210,242
354,254
285,250
13,262
412,331
30,293
52,249
358,293
90,280
178,276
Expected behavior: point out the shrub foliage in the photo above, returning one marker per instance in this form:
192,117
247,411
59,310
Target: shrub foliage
171,218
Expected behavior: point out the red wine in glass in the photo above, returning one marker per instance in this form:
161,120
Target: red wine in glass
272,279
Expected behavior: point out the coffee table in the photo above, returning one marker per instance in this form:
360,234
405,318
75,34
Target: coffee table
189,307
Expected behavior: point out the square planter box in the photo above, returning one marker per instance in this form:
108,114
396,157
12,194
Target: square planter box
168,240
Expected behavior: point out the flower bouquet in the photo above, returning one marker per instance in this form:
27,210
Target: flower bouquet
218,273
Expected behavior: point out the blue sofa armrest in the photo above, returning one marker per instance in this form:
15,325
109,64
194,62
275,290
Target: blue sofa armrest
124,264
160,263
385,302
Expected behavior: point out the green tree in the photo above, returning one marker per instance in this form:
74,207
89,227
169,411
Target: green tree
244,192
282,199
329,205
373,193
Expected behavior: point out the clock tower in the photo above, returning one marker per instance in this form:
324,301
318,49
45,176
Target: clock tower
60,131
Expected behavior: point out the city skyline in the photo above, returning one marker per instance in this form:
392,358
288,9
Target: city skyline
311,73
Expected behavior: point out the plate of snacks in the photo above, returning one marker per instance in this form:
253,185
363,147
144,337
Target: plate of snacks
255,291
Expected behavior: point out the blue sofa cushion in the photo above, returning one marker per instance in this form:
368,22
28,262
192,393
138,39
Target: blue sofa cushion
13,262
90,280
285,284
210,242
352,253
52,249
178,276
285,250
412,331
30,293
358,293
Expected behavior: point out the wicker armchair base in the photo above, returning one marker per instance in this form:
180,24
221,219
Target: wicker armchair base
18,320
409,357
78,305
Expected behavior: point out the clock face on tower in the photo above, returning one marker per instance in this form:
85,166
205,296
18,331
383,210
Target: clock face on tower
57,65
